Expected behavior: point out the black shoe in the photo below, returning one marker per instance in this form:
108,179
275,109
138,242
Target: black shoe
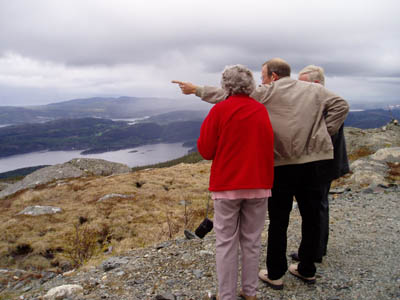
295,256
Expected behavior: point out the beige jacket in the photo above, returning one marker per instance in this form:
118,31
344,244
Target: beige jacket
303,116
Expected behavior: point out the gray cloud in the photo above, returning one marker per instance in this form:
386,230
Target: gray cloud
93,47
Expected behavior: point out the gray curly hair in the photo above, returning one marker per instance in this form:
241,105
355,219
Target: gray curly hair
237,79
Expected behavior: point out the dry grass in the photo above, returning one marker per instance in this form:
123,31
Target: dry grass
394,172
153,212
360,152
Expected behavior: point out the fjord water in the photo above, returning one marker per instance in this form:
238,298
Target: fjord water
139,156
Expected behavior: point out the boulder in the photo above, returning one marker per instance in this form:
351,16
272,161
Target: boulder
43,176
64,291
75,168
99,167
371,140
373,169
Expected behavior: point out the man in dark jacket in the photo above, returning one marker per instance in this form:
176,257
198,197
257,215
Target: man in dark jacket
329,169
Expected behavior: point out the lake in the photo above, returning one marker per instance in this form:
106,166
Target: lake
139,156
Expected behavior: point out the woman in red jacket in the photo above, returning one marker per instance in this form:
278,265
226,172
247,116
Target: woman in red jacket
237,136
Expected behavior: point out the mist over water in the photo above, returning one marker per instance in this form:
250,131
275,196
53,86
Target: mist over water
139,156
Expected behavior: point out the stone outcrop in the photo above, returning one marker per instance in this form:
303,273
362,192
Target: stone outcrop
3,185
99,167
77,167
38,210
371,140
110,196
373,169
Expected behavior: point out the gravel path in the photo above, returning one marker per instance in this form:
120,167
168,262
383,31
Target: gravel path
362,260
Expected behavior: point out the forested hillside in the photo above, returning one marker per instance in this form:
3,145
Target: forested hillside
92,135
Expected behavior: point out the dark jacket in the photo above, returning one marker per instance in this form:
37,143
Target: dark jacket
329,170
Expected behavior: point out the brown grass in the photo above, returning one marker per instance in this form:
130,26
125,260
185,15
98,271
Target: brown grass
360,152
154,212
394,172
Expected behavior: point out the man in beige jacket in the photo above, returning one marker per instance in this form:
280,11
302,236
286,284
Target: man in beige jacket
328,169
303,116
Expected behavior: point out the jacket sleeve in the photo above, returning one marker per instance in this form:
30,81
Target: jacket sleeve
208,139
211,94
214,95
336,110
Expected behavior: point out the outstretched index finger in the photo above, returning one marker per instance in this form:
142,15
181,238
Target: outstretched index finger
178,82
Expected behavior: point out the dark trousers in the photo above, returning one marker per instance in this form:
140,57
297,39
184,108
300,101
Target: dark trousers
290,181
324,222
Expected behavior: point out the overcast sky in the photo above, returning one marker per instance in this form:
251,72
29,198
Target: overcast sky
56,50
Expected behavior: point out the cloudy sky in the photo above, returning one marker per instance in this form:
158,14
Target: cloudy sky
56,50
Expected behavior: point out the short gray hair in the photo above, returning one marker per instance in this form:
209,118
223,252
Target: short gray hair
315,73
237,79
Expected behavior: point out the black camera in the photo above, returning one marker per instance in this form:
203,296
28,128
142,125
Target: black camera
205,227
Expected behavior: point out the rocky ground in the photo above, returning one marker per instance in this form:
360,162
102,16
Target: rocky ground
362,261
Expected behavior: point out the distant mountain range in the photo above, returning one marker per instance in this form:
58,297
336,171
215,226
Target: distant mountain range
105,108
158,110
372,118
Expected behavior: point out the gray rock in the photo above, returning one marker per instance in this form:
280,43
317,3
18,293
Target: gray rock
109,196
27,288
4,185
99,167
198,273
205,252
371,139
113,262
19,285
163,245
38,210
43,176
64,291
373,169
337,191
165,296
387,154
75,168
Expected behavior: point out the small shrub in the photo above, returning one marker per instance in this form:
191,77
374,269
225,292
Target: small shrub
81,244
172,227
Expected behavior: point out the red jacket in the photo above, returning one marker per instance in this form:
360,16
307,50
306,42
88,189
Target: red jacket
237,135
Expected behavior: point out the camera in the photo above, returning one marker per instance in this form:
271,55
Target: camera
205,227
